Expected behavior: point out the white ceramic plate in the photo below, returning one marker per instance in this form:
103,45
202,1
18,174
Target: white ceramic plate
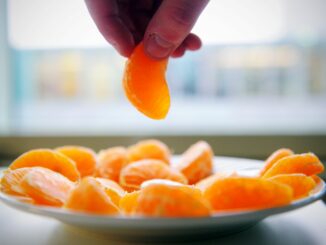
158,229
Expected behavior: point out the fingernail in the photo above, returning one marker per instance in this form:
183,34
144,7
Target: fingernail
157,47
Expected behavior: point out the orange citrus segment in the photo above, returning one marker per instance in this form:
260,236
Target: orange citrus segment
242,193
112,189
46,187
274,157
145,85
161,182
300,183
48,159
161,200
128,202
191,189
197,162
316,178
85,158
205,183
10,182
110,163
149,149
134,174
307,163
89,196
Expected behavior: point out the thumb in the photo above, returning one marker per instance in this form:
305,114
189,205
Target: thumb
170,25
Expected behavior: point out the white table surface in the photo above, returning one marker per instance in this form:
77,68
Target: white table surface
306,226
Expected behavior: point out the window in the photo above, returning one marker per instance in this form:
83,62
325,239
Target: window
261,71
4,73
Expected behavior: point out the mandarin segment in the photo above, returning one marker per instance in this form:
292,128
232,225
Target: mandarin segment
112,189
10,182
46,187
149,149
85,158
245,193
191,189
161,182
48,159
110,163
197,162
274,157
128,202
307,163
205,183
145,85
300,183
316,178
160,200
134,174
90,196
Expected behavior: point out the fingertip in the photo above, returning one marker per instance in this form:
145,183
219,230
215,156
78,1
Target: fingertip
192,42
179,52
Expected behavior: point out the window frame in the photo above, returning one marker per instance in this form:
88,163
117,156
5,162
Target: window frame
5,65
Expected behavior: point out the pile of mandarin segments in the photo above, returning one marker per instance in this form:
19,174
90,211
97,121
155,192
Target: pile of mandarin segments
140,181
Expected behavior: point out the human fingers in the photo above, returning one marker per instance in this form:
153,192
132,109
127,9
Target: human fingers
106,16
191,42
170,26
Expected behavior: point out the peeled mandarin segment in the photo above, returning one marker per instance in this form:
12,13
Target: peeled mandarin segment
134,174
10,182
316,178
307,164
110,163
145,85
161,182
48,159
112,189
128,202
46,187
107,183
187,188
170,201
274,157
205,183
300,183
89,196
149,149
197,162
244,193
129,189
85,158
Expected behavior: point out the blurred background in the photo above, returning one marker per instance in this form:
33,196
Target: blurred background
258,83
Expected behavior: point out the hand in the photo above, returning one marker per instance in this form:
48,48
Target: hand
163,25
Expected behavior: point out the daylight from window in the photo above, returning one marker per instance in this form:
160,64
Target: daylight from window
261,71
